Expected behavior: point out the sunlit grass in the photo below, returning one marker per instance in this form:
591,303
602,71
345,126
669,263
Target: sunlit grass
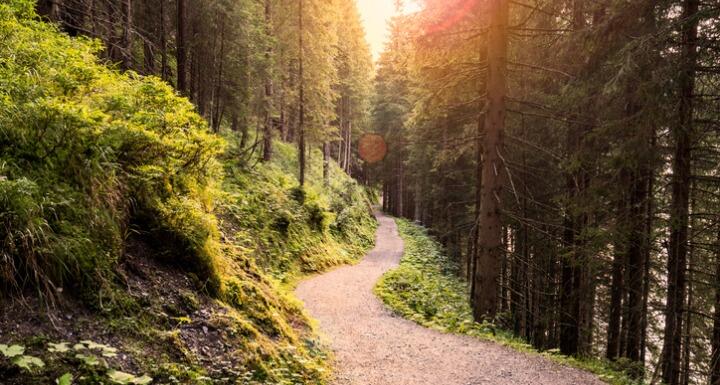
426,289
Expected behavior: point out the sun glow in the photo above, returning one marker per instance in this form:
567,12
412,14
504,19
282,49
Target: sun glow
375,15
455,13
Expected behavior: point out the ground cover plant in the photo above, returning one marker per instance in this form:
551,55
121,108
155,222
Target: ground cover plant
427,288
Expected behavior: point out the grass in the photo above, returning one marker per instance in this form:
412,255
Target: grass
91,158
426,289
288,233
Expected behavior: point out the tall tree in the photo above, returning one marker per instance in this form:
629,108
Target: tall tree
301,100
268,123
490,238
682,135
181,50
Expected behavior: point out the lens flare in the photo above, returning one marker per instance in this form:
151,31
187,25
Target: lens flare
456,13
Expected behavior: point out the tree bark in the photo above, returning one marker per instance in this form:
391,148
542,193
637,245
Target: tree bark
681,176
181,51
490,228
127,54
164,68
715,356
301,122
326,163
268,124
635,266
616,295
150,24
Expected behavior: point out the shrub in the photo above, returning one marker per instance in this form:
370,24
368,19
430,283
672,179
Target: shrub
85,152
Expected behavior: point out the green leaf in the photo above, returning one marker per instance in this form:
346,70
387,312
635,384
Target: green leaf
88,359
108,351
120,377
92,345
65,379
126,378
79,347
58,348
28,362
144,380
11,351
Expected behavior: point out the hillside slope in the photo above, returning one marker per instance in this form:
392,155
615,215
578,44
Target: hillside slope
133,247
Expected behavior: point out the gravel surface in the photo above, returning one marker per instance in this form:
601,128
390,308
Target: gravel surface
374,347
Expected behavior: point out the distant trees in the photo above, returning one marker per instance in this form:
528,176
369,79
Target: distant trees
248,66
605,186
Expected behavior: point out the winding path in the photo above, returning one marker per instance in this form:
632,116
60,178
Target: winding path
374,347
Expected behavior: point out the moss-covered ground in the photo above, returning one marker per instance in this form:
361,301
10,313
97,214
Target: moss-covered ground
426,288
135,246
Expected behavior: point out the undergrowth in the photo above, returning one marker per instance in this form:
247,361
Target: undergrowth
290,232
88,154
427,289
94,161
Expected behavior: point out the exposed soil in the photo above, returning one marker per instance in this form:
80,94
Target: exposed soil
187,326
375,347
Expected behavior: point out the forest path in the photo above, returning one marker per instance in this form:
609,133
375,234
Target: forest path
374,347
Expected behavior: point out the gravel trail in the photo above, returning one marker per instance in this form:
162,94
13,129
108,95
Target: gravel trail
374,347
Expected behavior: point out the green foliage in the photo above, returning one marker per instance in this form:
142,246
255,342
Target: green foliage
119,377
290,231
85,153
28,363
86,359
12,350
426,288
23,361
65,379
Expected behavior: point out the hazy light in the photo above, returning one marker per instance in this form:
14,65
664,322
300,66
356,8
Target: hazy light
375,15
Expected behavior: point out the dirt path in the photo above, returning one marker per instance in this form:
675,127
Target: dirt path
374,347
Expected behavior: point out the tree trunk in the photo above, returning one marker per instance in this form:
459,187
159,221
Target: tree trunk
573,263
681,176
715,356
150,24
217,99
301,122
635,266
268,124
326,163
649,213
164,68
181,51
127,53
616,295
568,296
417,211
485,304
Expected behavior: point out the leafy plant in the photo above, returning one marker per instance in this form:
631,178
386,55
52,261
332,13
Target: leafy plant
16,355
119,377
65,379
12,350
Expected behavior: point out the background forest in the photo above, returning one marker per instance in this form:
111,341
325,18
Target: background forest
566,153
